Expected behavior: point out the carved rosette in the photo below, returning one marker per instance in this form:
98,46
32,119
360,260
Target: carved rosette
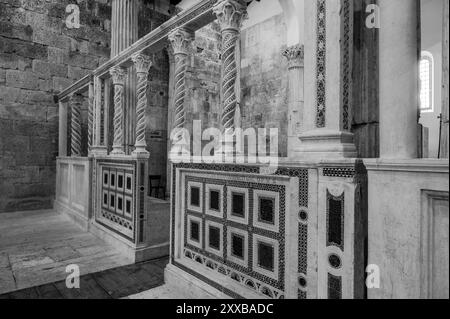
143,64
295,56
230,14
180,40
118,75
76,101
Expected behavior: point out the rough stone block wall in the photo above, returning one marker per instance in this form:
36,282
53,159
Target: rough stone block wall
39,56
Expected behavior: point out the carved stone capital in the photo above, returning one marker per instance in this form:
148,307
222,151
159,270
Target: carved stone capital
180,40
142,62
230,14
295,56
118,75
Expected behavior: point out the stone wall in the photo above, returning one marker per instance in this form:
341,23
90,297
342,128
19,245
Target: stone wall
264,79
39,56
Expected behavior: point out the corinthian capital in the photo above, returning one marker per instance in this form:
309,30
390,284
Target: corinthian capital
295,55
118,75
230,14
180,40
142,62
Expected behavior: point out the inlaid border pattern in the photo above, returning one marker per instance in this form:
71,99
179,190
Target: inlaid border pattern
347,64
321,48
344,172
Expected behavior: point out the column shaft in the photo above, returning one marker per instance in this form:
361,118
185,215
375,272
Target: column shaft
180,41
398,78
230,15
142,64
118,78
76,101
91,117
295,57
62,147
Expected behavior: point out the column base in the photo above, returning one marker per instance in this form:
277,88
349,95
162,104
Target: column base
325,144
99,150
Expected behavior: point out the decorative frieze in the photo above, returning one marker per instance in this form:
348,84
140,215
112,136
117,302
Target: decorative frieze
76,101
142,64
118,76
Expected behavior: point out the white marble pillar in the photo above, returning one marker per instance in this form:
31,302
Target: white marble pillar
398,59
124,25
62,141
142,65
76,101
180,41
118,79
328,73
295,56
124,32
230,15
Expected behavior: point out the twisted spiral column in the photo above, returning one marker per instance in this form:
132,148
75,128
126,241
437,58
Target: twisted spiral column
76,101
230,15
180,40
143,64
91,116
118,78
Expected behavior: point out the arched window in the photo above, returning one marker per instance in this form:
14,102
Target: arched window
426,76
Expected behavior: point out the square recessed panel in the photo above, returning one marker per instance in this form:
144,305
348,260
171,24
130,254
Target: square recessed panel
266,210
112,201
237,246
195,196
112,180
128,206
237,204
214,200
266,256
128,183
194,231
214,238
120,181
120,203
105,199
105,177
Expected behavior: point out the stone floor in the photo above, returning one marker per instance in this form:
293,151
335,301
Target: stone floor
36,247
113,283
